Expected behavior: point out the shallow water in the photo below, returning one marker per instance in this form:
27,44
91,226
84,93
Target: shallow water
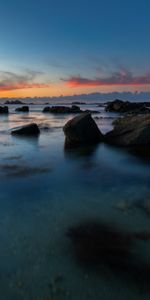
45,190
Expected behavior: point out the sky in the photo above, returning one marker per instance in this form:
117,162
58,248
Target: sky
62,47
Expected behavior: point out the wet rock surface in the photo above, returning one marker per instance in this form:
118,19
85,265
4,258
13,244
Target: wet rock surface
26,130
82,130
130,131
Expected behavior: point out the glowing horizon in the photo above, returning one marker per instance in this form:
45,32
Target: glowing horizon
49,53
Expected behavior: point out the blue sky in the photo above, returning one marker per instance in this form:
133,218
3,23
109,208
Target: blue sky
61,40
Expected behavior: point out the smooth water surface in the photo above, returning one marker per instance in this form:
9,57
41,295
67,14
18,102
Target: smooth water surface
44,190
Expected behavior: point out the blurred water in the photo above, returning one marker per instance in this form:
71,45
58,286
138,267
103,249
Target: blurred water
45,190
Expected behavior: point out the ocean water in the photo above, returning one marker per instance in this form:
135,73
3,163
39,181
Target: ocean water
45,190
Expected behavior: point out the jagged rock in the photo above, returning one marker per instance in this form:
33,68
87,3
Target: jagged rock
130,131
82,130
14,102
127,107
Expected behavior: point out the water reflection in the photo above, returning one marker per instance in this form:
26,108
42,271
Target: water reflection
80,152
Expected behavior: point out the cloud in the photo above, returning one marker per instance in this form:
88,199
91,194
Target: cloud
12,81
120,78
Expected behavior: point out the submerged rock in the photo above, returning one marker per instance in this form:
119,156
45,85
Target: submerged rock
124,206
82,130
24,108
127,107
130,131
96,245
28,130
4,110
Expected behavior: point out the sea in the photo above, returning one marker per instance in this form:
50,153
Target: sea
46,189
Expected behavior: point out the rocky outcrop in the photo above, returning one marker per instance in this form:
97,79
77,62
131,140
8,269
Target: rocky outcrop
4,110
130,131
127,107
13,102
26,130
24,108
74,109
82,130
62,109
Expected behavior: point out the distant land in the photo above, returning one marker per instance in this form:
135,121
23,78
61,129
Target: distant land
93,97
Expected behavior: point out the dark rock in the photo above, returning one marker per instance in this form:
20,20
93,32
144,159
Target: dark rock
130,131
82,130
78,103
24,108
46,109
14,102
92,111
28,130
62,109
4,110
127,107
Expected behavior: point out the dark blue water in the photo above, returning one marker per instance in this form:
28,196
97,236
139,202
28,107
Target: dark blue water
44,190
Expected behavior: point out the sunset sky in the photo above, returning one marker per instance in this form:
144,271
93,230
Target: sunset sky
65,47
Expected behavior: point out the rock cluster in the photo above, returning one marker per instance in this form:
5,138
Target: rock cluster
127,107
130,131
62,109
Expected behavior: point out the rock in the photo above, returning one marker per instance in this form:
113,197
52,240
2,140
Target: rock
14,102
130,131
28,130
78,103
127,107
92,111
24,108
82,130
62,109
124,206
4,110
144,205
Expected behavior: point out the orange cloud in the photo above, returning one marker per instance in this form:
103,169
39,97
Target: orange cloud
122,78
21,85
10,81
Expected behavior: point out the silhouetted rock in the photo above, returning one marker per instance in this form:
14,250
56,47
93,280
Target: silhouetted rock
130,131
92,111
4,110
78,103
24,108
28,130
62,109
82,130
14,102
127,107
